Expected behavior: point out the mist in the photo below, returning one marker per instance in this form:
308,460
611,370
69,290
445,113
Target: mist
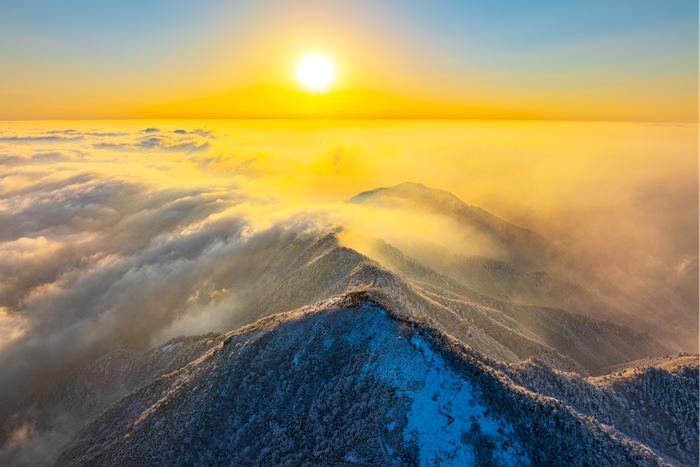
125,235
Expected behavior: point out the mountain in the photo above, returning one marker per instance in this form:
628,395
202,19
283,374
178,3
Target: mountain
373,358
350,381
502,280
653,400
489,324
525,267
529,268
523,247
308,269
291,270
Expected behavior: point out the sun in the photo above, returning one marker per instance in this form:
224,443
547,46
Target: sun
315,73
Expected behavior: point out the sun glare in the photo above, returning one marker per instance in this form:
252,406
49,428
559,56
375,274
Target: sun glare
315,73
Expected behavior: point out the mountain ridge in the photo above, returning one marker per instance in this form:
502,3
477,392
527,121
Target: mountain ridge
530,428
531,269
541,356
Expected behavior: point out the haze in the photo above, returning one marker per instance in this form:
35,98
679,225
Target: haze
619,197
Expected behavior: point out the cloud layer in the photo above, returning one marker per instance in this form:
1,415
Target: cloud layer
128,235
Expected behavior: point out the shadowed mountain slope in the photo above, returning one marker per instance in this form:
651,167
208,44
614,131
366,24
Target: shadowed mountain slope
348,381
255,277
654,401
291,270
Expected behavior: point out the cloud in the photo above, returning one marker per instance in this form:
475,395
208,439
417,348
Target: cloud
113,146
103,246
46,157
148,139
196,131
80,277
161,263
51,156
248,166
39,139
9,159
176,141
187,147
87,133
150,142
84,255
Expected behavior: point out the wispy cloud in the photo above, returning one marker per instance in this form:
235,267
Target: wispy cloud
39,138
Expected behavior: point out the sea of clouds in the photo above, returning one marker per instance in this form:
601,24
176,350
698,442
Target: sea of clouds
128,235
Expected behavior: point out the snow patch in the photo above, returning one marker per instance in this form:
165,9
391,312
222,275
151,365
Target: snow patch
445,419
170,347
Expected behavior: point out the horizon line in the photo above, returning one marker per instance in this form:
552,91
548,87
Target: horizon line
388,118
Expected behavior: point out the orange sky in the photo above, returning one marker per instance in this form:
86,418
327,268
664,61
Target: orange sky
179,59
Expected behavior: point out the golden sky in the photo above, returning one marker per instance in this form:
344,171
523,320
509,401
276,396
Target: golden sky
506,60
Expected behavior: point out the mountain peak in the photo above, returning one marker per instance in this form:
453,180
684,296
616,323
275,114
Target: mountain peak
522,246
408,190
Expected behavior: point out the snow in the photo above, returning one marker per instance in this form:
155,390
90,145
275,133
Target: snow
389,394
445,417
170,347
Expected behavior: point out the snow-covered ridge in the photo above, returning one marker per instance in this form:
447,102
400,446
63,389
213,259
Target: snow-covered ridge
346,381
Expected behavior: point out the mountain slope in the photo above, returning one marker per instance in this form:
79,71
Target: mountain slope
586,341
291,270
654,401
502,280
347,382
522,266
497,328
524,247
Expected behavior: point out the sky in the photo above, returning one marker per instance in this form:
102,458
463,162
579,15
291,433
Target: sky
594,60
122,200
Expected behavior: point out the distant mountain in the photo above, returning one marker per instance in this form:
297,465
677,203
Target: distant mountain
502,280
488,324
350,381
533,270
524,248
